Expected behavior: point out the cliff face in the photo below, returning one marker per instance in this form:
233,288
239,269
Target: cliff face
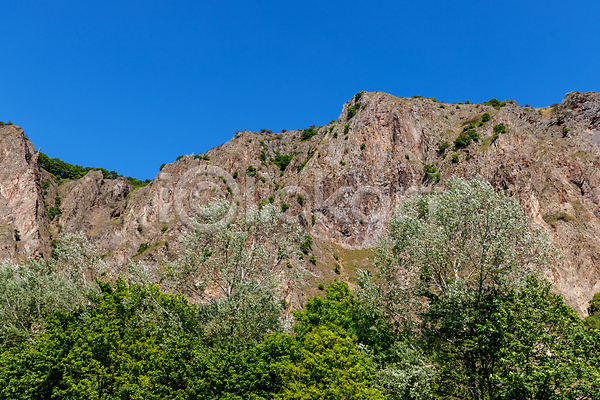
347,178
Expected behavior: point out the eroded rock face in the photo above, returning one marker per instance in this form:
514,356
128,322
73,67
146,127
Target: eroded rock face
344,183
20,194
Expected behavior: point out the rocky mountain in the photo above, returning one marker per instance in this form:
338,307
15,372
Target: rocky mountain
341,181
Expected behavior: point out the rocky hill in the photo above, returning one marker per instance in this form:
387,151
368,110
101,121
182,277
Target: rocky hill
341,181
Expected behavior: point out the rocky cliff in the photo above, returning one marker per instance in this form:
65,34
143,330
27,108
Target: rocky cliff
341,181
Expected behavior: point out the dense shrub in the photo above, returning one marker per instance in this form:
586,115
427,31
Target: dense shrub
250,170
565,131
463,140
352,110
485,117
443,147
454,158
500,128
282,160
307,134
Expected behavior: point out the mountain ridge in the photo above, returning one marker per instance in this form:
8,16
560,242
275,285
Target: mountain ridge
342,181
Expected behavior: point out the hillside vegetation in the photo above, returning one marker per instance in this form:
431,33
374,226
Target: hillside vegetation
455,307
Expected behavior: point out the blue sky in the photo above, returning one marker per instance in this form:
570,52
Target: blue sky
128,85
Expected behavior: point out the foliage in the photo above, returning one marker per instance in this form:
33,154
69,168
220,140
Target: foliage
235,174
300,199
454,158
473,134
250,170
329,367
31,291
54,211
64,170
340,311
463,140
431,173
282,161
495,103
565,131
284,207
352,110
362,146
161,166
358,95
142,248
485,117
346,129
107,351
500,128
307,134
234,268
443,147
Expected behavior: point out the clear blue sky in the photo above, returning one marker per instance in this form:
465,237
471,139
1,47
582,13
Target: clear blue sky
128,85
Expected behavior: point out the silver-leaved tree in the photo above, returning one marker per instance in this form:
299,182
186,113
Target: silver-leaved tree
442,271
31,291
236,267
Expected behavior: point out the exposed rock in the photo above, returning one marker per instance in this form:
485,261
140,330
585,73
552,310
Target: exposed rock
348,178
20,197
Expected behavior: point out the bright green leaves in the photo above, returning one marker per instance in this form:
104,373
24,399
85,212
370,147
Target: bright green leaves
329,367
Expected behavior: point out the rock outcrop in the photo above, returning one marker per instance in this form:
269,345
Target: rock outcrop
342,183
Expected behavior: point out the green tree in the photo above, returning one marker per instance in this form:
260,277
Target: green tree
329,367
444,259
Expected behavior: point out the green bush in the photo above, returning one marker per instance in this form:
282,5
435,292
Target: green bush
179,158
143,247
262,179
443,146
500,128
282,160
457,107
321,287
352,110
473,134
300,199
485,117
407,156
335,135
164,229
455,158
161,166
313,219
250,170
462,140
362,146
306,244
263,156
284,207
358,95
307,134
431,173
271,199
312,259
342,162
495,103
139,228
17,235
467,102
565,131
235,174
346,129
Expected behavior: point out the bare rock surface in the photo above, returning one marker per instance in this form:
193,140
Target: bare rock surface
342,184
